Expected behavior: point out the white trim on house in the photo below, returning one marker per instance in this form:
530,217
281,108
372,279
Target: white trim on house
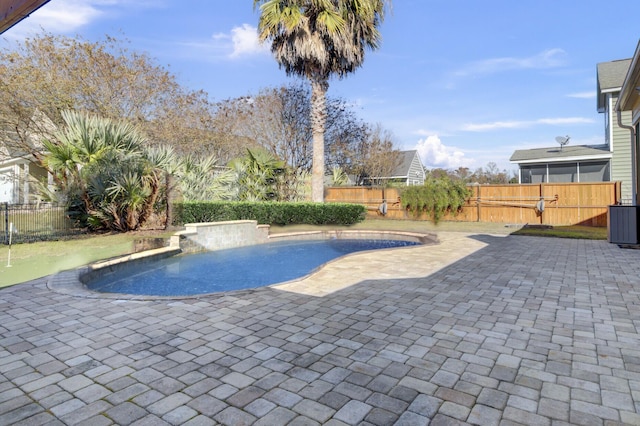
609,124
564,159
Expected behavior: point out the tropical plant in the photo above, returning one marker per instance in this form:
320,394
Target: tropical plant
202,179
437,197
104,172
317,39
338,177
257,176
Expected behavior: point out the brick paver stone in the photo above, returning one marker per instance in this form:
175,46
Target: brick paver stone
479,329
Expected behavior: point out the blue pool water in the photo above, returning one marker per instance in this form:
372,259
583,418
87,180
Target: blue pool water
232,269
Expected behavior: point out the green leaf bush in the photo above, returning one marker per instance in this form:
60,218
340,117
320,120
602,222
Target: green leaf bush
271,213
437,197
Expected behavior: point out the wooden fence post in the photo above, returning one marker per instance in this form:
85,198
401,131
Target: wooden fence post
542,219
478,200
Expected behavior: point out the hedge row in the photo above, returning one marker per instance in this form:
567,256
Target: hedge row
269,213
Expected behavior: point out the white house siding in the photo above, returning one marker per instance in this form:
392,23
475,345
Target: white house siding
18,181
7,185
416,172
621,147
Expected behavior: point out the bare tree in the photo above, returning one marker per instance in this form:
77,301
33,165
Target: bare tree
277,119
374,158
48,74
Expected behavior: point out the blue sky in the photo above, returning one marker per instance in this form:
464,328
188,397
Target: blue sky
465,82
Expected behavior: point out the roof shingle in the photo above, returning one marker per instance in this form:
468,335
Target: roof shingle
557,154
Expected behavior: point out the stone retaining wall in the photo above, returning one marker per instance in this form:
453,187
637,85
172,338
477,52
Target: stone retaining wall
220,235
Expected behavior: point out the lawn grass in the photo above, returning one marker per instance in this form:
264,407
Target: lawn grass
408,225
576,231
35,260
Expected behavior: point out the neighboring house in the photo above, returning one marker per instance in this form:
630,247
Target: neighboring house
18,177
571,163
623,221
628,104
611,76
409,170
20,172
609,161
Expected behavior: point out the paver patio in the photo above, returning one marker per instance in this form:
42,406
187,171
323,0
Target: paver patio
481,330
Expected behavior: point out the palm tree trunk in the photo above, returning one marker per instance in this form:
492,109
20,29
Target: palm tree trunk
319,88
168,206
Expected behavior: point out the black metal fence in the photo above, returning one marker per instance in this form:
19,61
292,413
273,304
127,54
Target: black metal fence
34,222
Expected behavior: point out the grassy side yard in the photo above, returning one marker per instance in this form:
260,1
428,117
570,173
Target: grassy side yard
35,260
583,232
409,225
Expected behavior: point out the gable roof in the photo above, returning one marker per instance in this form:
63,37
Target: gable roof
405,158
555,154
611,77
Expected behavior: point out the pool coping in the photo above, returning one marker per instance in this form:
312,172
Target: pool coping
73,282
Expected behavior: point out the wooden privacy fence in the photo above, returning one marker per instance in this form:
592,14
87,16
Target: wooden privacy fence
562,203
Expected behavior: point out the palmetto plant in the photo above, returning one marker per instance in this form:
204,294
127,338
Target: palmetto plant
318,39
105,173
256,176
202,179
338,176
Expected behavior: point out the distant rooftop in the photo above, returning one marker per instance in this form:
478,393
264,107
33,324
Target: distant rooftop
404,162
555,154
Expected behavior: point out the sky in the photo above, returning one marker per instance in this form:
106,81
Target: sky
465,82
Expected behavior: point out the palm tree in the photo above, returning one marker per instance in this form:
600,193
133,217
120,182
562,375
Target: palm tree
318,39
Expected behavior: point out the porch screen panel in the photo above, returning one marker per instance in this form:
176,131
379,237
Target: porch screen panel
595,172
533,174
560,173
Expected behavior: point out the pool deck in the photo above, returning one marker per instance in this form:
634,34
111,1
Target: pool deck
479,329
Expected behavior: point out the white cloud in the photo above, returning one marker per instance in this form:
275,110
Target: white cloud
497,125
58,17
67,16
426,132
243,41
550,58
434,153
564,121
583,95
485,127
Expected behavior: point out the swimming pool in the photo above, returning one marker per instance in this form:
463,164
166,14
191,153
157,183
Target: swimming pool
231,269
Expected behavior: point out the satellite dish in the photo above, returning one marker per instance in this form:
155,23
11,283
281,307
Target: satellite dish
563,140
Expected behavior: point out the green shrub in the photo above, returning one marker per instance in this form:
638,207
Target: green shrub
269,212
437,197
